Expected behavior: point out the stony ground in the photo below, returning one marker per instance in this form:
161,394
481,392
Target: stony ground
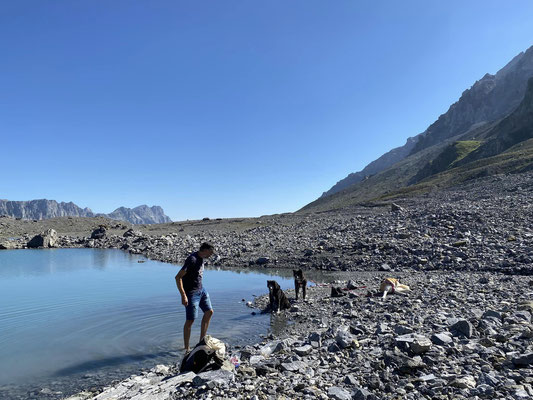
464,330
456,335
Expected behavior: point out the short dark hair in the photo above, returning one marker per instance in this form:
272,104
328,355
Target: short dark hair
206,246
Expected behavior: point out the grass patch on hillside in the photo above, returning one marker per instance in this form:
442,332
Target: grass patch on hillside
464,148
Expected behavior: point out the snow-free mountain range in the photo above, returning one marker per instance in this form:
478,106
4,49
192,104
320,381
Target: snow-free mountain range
44,209
488,131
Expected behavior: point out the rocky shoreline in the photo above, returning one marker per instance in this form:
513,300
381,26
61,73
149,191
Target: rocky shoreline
456,335
465,330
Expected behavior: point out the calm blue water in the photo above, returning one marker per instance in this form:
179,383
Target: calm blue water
69,312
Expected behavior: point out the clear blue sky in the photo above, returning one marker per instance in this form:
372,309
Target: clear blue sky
229,108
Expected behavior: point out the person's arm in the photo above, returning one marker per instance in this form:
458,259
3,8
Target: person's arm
179,284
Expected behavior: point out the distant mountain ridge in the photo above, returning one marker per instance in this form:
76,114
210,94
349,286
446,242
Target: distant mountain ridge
488,100
44,209
140,215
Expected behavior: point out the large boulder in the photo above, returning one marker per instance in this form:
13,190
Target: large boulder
414,343
9,244
47,238
132,233
98,233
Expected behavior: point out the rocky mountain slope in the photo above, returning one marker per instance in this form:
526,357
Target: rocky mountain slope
45,209
488,100
505,146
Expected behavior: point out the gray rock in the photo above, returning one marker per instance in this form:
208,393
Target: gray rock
485,391
441,339
98,233
303,350
315,339
362,394
417,344
427,378
339,393
351,380
523,360
256,359
462,328
9,244
526,306
293,366
213,378
492,314
464,382
385,267
344,338
132,233
47,238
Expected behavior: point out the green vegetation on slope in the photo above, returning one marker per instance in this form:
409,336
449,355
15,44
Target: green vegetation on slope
463,148
517,159
447,159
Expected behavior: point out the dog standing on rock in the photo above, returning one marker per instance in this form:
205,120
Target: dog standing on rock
278,300
299,282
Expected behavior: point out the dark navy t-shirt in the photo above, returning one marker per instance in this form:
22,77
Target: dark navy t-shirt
192,281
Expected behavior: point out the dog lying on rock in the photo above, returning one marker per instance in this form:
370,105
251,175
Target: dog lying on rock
392,285
278,300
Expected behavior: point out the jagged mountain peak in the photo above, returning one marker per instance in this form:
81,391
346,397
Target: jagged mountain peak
44,209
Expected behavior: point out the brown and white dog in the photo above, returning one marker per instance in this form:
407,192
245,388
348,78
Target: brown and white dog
392,285
278,300
299,282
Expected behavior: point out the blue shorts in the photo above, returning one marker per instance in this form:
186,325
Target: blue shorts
197,298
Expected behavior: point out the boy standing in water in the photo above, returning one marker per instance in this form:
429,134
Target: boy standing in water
193,294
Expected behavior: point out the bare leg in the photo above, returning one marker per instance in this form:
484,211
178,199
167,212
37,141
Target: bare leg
205,322
187,333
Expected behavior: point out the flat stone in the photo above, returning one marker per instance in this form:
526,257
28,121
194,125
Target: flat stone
492,314
339,393
293,366
214,378
256,359
441,339
303,350
427,378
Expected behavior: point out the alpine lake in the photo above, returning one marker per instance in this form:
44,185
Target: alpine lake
73,319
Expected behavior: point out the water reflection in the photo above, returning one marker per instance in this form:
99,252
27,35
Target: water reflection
39,262
100,259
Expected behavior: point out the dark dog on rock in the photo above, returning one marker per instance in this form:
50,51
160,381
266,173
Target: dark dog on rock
299,282
278,300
